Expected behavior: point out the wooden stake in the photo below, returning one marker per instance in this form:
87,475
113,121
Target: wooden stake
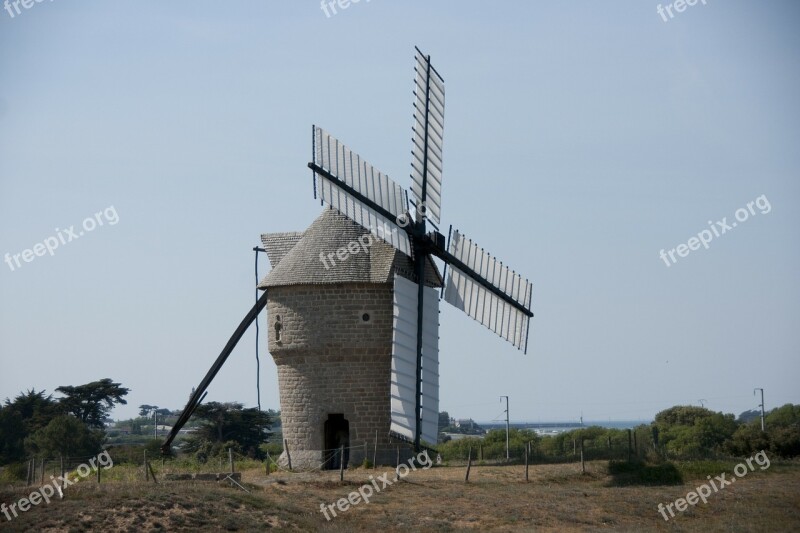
62,475
629,445
230,459
341,463
375,453
152,473
397,465
269,467
44,463
526,465
469,464
288,456
146,475
583,465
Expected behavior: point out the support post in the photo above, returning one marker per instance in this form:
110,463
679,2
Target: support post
230,460
43,465
629,445
526,465
341,463
469,464
268,465
397,465
288,456
375,452
146,474
62,475
583,464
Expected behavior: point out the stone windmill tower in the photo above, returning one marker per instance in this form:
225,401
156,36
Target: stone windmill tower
353,327
330,334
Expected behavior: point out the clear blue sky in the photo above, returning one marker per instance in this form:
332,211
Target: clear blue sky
581,138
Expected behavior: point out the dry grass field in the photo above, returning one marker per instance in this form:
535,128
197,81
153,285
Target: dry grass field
557,498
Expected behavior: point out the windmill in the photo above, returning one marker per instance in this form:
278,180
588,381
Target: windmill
478,283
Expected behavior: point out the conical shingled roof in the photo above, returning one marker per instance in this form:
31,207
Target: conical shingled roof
295,257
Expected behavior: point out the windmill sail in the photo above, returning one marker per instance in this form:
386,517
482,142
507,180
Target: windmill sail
428,131
358,190
486,306
404,362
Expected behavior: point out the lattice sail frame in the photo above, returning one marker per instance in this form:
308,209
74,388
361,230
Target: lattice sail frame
481,304
428,137
348,167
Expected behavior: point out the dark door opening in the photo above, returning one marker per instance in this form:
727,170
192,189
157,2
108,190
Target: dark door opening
337,434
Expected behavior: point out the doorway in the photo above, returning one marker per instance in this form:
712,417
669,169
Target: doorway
337,434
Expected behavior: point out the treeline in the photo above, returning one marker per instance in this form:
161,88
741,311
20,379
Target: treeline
34,423
680,432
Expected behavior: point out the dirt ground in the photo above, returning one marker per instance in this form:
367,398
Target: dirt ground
497,498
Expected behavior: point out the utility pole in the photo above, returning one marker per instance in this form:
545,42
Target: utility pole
761,406
501,399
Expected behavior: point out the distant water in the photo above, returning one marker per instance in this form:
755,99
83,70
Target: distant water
553,428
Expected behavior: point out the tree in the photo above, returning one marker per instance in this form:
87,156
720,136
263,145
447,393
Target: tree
65,435
29,412
224,422
92,402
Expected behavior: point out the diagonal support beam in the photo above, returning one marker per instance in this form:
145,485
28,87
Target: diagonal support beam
199,392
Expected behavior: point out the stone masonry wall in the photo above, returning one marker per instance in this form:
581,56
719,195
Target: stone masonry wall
331,360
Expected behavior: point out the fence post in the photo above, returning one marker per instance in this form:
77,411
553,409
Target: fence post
288,456
583,464
341,463
268,465
43,465
469,464
635,446
629,445
397,465
480,452
62,475
230,459
146,474
375,453
526,465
